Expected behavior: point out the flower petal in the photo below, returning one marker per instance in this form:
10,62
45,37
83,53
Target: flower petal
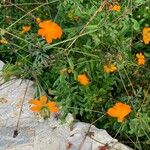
119,110
48,38
36,108
112,112
83,79
51,104
120,119
44,24
57,31
52,107
146,35
49,30
25,29
35,102
43,100
42,32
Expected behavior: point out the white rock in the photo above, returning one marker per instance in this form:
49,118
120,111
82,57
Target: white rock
11,98
100,136
22,147
51,138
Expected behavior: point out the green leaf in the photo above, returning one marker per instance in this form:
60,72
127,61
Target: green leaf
136,25
71,64
139,1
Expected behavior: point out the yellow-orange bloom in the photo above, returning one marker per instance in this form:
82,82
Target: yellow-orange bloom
38,20
140,59
41,104
49,30
115,7
3,41
26,29
146,35
83,79
110,68
119,111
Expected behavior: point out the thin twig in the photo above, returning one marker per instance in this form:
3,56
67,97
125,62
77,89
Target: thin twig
24,16
96,111
25,11
130,82
18,121
123,83
145,96
82,142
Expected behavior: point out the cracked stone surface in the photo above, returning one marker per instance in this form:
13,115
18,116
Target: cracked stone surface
36,134
96,139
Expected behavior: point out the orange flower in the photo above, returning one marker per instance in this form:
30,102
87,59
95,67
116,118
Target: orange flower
115,7
49,30
25,29
3,41
146,35
119,110
43,104
83,79
140,58
110,68
38,20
